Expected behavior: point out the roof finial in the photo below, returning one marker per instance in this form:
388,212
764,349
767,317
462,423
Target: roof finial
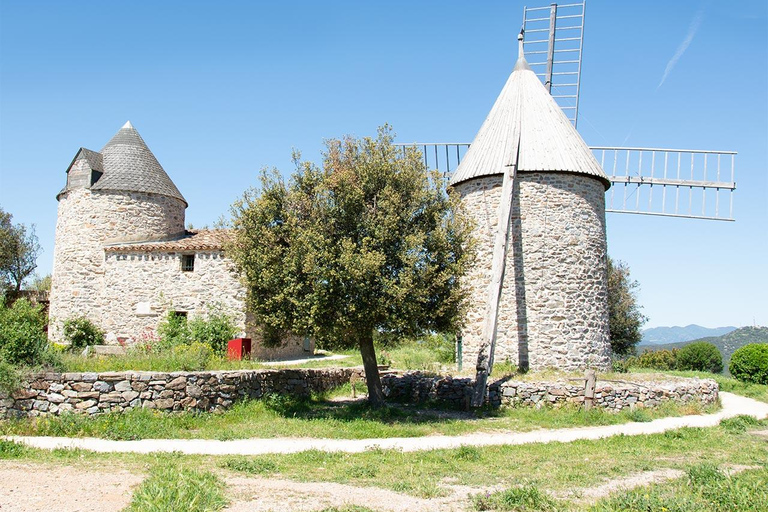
521,62
127,125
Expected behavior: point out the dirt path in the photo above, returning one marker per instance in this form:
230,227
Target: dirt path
259,494
39,487
733,405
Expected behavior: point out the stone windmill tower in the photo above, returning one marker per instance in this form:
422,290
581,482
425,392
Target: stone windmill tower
537,196
530,184
120,194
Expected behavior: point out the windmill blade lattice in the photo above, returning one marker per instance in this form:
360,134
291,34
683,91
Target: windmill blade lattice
686,183
554,38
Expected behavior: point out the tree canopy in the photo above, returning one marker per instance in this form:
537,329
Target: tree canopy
625,318
368,243
18,252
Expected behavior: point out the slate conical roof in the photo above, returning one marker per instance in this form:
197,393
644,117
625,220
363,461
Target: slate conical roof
548,140
130,166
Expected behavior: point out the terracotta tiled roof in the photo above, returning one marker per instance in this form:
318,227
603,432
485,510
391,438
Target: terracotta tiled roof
196,240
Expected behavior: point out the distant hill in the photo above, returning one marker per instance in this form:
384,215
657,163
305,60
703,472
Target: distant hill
727,343
664,335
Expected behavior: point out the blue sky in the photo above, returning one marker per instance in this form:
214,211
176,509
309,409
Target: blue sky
220,89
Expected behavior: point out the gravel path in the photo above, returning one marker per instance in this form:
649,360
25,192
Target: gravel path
733,405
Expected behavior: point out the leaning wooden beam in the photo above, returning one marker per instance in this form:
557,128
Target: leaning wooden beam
488,345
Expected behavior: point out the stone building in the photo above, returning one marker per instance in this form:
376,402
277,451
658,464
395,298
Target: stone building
123,258
553,308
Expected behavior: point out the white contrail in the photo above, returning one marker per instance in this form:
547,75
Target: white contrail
683,46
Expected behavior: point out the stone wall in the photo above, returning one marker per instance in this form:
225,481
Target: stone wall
140,287
96,393
553,310
417,387
87,220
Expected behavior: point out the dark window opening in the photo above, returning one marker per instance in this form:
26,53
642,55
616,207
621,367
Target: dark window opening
188,262
179,314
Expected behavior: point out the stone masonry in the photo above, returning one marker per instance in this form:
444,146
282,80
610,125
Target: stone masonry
123,258
139,287
87,221
97,393
553,309
614,396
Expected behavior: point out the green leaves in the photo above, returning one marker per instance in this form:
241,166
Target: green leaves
370,241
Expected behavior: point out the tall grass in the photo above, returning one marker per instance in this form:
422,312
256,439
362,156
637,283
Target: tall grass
171,488
704,488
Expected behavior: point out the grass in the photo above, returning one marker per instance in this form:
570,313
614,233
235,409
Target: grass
170,488
283,416
524,498
553,466
705,488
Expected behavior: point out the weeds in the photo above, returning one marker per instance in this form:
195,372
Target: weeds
517,499
170,488
704,488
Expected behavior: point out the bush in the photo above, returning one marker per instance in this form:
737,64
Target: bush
657,359
10,378
80,333
22,333
700,356
215,330
750,363
172,331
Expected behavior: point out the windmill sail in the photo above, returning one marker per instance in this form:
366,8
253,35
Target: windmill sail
554,38
689,183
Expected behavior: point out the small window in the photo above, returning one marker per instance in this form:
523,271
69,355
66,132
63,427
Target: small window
179,314
188,262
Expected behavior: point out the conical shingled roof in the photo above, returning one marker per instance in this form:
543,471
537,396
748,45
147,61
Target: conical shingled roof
129,165
548,140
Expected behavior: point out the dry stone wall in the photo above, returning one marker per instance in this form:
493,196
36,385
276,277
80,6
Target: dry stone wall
97,393
417,387
553,310
89,219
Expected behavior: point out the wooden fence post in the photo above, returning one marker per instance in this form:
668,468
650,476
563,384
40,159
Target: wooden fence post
589,389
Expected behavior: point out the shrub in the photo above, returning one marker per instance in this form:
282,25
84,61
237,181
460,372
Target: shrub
10,378
214,330
700,356
22,333
750,363
80,333
172,331
657,359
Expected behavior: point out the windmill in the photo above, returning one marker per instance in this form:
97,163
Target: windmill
639,180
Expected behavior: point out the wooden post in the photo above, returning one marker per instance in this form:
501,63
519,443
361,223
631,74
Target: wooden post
485,355
589,389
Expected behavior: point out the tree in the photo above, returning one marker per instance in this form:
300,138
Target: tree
18,252
368,244
624,316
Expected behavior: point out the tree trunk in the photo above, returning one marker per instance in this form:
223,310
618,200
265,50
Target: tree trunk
372,379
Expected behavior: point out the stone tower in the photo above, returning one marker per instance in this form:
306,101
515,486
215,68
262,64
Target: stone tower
553,308
120,194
